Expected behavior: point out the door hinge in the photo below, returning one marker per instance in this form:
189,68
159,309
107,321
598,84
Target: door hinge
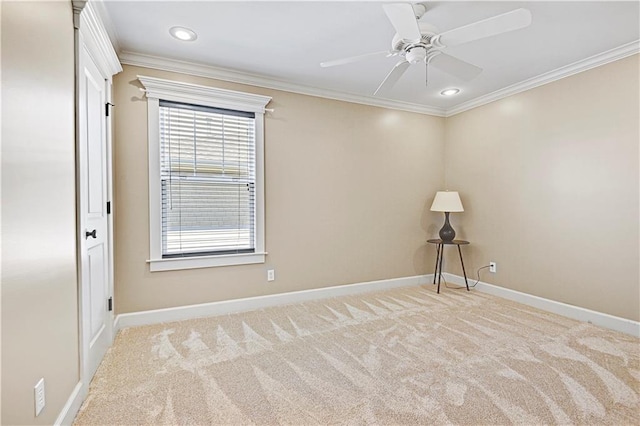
108,207
110,304
106,108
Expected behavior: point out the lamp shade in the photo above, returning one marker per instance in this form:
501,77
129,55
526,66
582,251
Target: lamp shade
447,201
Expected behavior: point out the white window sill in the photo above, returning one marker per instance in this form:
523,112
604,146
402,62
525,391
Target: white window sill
174,264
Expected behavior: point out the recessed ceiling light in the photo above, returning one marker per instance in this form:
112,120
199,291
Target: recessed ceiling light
450,92
184,34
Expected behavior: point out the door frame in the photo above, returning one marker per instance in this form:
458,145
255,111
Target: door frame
91,38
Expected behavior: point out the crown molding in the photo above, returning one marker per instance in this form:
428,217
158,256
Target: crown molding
97,41
154,62
101,12
549,77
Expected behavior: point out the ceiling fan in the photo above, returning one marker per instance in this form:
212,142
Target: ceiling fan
417,41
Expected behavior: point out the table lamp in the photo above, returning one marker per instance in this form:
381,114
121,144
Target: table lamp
447,202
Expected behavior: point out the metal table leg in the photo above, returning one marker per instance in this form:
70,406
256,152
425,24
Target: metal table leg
440,268
435,269
463,271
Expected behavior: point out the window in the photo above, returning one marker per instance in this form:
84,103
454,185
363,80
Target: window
207,180
206,190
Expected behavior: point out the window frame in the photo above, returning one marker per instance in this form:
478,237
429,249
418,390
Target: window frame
157,89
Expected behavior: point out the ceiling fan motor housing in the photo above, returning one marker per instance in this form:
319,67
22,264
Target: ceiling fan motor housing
427,31
415,51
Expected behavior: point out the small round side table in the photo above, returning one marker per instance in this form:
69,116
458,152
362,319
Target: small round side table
440,249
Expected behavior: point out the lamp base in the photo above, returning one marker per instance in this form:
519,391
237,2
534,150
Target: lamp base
447,233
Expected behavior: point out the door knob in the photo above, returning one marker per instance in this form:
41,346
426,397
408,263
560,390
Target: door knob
88,234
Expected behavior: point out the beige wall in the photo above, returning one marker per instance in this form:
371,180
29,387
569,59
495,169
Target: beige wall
348,189
549,182
39,302
549,179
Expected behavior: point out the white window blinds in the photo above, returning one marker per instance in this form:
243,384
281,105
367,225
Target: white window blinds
207,172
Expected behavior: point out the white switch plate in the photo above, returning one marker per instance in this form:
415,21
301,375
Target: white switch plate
38,392
271,275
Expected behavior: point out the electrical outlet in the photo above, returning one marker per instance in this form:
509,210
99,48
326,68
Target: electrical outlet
38,392
271,275
493,267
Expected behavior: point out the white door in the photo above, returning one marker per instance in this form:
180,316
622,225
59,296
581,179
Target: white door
93,219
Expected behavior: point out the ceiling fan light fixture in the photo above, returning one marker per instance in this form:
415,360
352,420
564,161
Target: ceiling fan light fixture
416,54
450,92
183,34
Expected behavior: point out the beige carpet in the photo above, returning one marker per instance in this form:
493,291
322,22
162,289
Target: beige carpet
404,356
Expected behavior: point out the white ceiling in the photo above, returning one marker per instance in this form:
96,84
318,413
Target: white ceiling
286,41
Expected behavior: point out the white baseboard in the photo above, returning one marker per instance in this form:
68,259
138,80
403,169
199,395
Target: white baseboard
623,325
70,409
252,303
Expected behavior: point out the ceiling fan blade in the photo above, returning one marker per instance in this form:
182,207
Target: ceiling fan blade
392,78
357,58
454,66
499,24
403,19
